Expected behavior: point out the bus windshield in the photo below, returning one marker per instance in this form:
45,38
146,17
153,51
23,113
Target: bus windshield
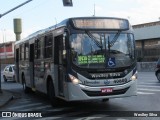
93,50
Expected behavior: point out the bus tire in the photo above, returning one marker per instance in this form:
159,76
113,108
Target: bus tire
51,94
158,75
105,100
25,88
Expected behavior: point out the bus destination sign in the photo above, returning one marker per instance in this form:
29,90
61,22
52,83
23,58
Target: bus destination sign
111,24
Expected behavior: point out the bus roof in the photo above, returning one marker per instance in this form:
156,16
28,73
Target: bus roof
63,23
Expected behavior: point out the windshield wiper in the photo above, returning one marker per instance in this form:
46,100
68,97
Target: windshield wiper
94,39
129,46
114,39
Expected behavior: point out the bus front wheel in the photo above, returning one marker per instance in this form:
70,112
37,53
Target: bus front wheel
105,100
51,94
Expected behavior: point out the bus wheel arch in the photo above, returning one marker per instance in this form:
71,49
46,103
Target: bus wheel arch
51,91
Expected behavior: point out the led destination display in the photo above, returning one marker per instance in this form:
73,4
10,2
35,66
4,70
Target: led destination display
107,23
91,59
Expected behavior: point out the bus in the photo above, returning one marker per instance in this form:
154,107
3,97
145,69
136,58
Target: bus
81,58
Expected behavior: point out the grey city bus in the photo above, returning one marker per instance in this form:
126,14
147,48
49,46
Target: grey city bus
83,58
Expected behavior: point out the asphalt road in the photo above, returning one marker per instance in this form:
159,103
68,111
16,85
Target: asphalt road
145,103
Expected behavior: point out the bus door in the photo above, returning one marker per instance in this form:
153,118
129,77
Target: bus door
61,67
17,65
31,64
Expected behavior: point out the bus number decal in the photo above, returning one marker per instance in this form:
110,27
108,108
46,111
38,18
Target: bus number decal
120,80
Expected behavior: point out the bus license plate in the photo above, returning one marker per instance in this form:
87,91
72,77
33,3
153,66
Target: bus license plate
106,90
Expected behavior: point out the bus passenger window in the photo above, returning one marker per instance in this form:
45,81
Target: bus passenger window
22,52
37,49
48,46
42,47
26,51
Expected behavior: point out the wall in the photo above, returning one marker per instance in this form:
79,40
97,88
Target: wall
146,66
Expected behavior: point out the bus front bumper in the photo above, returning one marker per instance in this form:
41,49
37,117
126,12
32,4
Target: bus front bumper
81,92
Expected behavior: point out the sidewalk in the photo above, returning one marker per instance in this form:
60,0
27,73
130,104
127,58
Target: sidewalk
5,97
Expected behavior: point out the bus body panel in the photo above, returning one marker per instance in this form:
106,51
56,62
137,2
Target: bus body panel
42,75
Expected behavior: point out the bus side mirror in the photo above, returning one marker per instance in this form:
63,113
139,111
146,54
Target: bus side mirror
67,3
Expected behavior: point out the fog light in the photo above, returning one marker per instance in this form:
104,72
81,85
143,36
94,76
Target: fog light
74,79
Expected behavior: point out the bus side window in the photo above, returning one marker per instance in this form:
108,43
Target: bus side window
42,47
26,51
37,49
22,52
58,41
48,46
56,49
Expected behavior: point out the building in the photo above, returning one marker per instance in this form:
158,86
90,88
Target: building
147,38
7,53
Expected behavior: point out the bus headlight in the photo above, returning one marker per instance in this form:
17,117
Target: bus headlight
74,79
134,77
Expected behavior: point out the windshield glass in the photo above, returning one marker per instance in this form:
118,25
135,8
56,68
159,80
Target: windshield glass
102,50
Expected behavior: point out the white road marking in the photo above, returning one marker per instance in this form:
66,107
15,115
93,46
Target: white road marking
22,106
145,83
153,90
144,93
140,86
38,108
88,118
48,118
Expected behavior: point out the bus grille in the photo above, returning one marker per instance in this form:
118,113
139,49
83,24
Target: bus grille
98,93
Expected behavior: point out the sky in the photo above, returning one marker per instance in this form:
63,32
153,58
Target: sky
40,14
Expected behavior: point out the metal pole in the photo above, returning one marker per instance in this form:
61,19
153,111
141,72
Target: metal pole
4,41
94,11
0,63
1,15
0,72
